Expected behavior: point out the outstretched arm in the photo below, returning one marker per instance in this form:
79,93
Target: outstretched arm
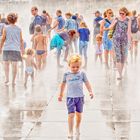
54,25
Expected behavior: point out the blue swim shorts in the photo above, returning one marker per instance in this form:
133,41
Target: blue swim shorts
75,104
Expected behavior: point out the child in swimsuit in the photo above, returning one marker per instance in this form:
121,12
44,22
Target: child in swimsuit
30,65
40,45
99,47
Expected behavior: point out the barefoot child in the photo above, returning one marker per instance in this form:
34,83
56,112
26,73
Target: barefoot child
30,65
40,46
75,96
99,47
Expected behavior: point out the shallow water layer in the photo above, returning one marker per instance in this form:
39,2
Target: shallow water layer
33,113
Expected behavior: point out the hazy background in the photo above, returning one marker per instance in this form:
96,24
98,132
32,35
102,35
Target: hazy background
84,7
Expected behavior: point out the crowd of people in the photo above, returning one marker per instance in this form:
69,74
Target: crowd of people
113,37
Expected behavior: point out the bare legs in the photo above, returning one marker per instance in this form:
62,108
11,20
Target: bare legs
134,50
6,70
120,67
66,52
41,61
14,71
71,123
100,57
78,122
112,55
26,78
58,57
106,52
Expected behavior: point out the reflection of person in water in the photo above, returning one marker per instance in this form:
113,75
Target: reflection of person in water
12,125
36,107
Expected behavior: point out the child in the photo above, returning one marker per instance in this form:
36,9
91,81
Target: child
84,39
75,96
30,64
99,47
40,46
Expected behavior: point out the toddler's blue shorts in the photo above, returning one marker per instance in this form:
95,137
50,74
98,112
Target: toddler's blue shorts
75,104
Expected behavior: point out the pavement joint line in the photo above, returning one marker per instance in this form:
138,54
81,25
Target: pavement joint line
38,119
28,135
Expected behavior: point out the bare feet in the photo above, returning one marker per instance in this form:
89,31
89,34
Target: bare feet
77,132
6,82
70,135
119,78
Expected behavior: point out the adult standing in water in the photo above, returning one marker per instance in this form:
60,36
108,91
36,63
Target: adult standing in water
36,20
59,41
96,24
12,44
47,21
59,23
121,38
107,43
134,30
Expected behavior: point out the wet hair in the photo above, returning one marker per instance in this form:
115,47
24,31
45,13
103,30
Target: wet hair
68,14
29,51
38,29
76,14
98,37
74,59
97,12
125,10
134,12
35,8
105,13
12,18
83,24
44,12
59,11
71,33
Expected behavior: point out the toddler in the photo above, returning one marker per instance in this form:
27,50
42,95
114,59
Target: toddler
99,47
30,65
75,96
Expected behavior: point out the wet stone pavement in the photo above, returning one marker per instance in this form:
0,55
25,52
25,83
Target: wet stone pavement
35,114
